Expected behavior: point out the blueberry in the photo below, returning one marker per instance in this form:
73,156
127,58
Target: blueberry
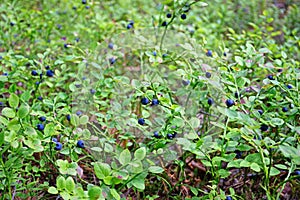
77,39
112,60
74,8
40,127
285,109
164,23
164,55
279,70
271,77
66,45
87,7
78,85
34,73
54,140
264,127
154,53
59,26
42,119
289,86
111,45
141,121
58,146
83,1
155,102
50,73
229,103
93,91
80,144
131,22
169,15
228,198
224,54
145,101
260,112
5,74
40,98
1,103
210,101
183,16
41,75
69,117
236,95
185,82
47,67
297,172
207,75
129,26
12,24
209,53
170,136
238,154
156,134
78,113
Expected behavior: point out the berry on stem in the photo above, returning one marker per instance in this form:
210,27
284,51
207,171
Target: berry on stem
58,146
141,121
40,127
229,103
80,144
145,101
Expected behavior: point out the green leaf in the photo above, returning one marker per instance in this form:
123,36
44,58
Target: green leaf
195,122
75,120
115,194
3,121
140,153
13,100
23,111
94,193
125,157
70,185
1,138
156,169
61,183
139,181
274,171
239,60
277,121
102,170
8,112
65,195
136,166
84,119
52,190
255,167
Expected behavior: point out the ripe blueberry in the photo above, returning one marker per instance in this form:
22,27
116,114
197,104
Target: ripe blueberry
285,109
112,60
5,74
236,95
225,54
131,22
83,1
54,140
12,24
164,23
50,73
78,113
155,102
69,117
154,53
185,82
141,121
207,75
229,103
93,91
80,144
170,136
210,101
183,16
169,15
34,73
111,45
47,67
40,127
129,26
58,146
271,77
264,127
260,112
228,198
238,154
209,53
279,70
289,86
42,119
145,101
40,98
297,172
156,134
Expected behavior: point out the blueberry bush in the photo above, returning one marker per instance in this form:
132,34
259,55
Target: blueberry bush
173,99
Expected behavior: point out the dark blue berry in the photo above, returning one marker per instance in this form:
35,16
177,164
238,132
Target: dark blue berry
164,55
69,117
238,154
42,119
47,67
271,77
112,60
54,140
131,22
229,103
80,144
164,23
58,146
183,16
154,53
141,121
66,45
169,15
40,98
87,7
12,23
209,53
74,8
50,73
78,113
279,70
236,95
40,127
1,103
264,127
297,172
41,75
93,91
83,1
34,73
289,86
156,134
155,102
5,74
129,26
185,82
210,101
145,101
78,85
285,109
111,45
224,54
228,198
170,136
207,75
260,112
